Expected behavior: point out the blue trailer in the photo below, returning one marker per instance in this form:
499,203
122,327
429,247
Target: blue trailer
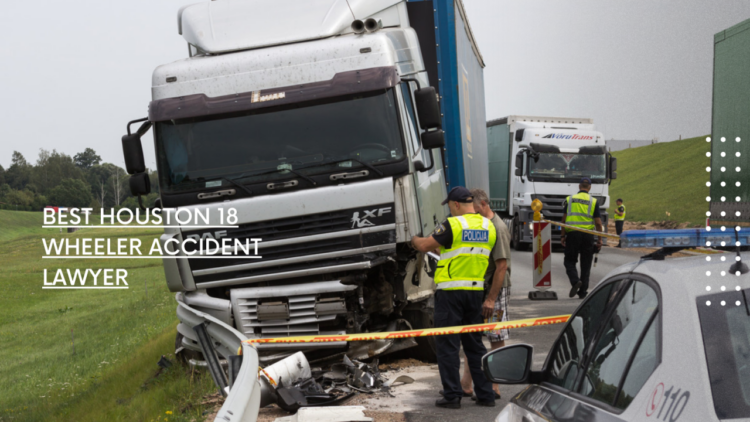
455,68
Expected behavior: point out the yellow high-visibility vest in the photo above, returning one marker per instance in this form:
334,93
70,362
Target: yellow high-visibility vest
580,211
462,267
620,217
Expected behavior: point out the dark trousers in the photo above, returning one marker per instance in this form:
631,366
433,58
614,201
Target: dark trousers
618,226
460,307
579,243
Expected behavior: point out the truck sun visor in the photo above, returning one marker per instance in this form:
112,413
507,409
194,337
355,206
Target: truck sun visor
342,83
593,150
545,148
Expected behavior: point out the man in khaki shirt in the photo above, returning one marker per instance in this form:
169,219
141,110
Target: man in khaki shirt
497,282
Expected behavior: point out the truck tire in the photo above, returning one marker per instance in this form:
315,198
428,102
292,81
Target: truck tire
425,350
516,237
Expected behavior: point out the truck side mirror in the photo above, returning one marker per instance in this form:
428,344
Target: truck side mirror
519,163
428,108
433,139
133,153
140,184
612,168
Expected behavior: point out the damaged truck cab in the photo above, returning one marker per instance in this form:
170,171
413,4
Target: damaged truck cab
317,122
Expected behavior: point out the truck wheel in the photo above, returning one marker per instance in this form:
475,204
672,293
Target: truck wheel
516,237
425,350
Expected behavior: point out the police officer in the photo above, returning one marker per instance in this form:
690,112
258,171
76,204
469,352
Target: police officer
582,211
619,217
465,241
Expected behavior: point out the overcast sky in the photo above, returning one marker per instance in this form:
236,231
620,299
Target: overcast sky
73,73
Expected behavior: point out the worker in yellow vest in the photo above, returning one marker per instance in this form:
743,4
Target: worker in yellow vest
581,211
465,241
619,217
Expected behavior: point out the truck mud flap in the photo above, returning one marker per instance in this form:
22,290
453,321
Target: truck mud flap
243,397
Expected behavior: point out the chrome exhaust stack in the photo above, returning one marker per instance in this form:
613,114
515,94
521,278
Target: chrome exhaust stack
372,25
358,26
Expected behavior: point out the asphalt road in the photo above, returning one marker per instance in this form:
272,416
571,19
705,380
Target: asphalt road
417,401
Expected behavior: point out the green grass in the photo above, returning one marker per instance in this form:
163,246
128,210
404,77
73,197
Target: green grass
119,336
660,178
15,224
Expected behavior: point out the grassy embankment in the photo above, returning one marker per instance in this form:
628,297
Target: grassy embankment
660,178
119,336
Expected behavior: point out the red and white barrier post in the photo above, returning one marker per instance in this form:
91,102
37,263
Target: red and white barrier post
542,251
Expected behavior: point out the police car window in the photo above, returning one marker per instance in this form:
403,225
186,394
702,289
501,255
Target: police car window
643,365
618,341
566,358
725,326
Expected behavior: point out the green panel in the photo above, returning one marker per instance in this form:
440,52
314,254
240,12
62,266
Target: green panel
730,120
497,151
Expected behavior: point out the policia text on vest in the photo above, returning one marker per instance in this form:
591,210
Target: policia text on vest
465,242
581,211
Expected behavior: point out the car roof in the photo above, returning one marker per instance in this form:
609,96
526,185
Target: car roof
691,275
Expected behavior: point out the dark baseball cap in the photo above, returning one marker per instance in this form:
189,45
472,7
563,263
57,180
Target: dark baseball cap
585,181
459,194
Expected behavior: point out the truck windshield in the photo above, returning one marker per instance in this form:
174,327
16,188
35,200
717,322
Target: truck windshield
249,147
568,166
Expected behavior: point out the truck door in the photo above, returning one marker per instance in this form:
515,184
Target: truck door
430,183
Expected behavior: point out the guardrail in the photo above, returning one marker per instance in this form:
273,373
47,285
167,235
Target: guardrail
243,399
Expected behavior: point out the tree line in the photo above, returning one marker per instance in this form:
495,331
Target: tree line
57,179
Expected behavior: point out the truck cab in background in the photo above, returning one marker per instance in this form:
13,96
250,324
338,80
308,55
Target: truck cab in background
544,158
323,124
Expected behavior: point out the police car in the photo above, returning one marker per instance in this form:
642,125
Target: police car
657,340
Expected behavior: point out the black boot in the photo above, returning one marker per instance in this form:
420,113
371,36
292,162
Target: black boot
449,404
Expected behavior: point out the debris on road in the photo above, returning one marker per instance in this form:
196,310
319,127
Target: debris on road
292,385
401,364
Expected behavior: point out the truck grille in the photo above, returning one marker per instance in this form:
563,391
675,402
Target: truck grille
553,205
304,225
318,245
303,318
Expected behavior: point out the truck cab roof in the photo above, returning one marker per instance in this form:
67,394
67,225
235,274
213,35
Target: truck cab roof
224,26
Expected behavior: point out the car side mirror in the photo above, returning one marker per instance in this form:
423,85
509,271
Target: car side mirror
433,139
428,108
509,365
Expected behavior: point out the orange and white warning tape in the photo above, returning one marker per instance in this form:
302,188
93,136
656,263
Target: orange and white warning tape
521,323
594,232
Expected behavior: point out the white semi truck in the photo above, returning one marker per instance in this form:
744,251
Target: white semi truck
334,128
549,156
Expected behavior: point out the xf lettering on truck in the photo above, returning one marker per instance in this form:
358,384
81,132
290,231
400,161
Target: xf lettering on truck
359,222
566,136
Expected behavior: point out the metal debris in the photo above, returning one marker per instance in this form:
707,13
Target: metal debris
334,386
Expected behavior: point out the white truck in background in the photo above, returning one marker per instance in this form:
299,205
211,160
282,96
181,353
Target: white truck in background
534,157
